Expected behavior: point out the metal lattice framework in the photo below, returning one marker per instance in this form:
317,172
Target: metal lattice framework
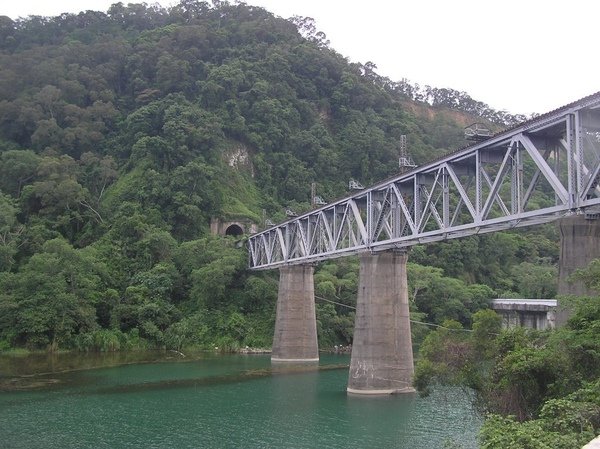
536,172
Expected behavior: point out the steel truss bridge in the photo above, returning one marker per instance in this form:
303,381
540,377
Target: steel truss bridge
533,173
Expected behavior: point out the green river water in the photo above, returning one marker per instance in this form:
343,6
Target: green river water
214,401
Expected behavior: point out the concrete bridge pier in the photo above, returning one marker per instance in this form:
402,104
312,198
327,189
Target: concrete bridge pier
382,357
579,245
295,338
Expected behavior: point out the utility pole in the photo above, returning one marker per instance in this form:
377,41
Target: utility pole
405,162
315,200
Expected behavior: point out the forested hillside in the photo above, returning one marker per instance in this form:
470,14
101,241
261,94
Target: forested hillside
122,133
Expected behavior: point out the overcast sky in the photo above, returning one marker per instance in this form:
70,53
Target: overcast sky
522,56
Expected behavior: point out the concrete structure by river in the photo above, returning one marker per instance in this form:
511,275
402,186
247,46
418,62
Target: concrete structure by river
531,313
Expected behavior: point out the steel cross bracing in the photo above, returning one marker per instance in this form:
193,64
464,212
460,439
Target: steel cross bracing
541,170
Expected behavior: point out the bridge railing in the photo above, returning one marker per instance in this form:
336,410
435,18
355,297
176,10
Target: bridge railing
533,173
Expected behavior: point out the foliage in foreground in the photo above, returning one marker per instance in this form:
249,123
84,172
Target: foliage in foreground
540,389
565,423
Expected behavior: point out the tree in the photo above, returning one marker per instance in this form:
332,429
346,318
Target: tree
590,275
17,168
443,297
211,282
53,296
535,280
487,326
10,232
98,174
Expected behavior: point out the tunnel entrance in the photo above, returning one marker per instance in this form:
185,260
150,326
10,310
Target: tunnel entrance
234,230
234,227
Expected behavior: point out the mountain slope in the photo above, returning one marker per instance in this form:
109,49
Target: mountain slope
122,134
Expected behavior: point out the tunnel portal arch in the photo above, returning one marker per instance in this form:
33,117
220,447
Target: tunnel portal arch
232,227
234,230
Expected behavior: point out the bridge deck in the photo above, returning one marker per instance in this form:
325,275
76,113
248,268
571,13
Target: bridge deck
533,173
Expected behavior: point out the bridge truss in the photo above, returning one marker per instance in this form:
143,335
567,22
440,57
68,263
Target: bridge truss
533,173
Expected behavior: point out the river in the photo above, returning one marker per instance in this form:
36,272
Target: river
164,400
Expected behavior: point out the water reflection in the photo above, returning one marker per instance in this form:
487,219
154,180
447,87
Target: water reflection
388,416
293,396
46,363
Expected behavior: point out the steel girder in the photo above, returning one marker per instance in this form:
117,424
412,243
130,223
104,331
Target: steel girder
534,173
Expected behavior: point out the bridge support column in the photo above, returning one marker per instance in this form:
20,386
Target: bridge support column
382,357
295,339
579,245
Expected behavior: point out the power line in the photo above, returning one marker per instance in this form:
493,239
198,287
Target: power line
333,302
412,321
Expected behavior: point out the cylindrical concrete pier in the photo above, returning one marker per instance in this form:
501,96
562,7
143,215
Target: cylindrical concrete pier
382,357
579,245
295,339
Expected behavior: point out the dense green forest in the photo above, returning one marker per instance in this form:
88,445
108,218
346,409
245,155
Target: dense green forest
122,133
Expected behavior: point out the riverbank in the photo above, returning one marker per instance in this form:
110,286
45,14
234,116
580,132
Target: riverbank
23,369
